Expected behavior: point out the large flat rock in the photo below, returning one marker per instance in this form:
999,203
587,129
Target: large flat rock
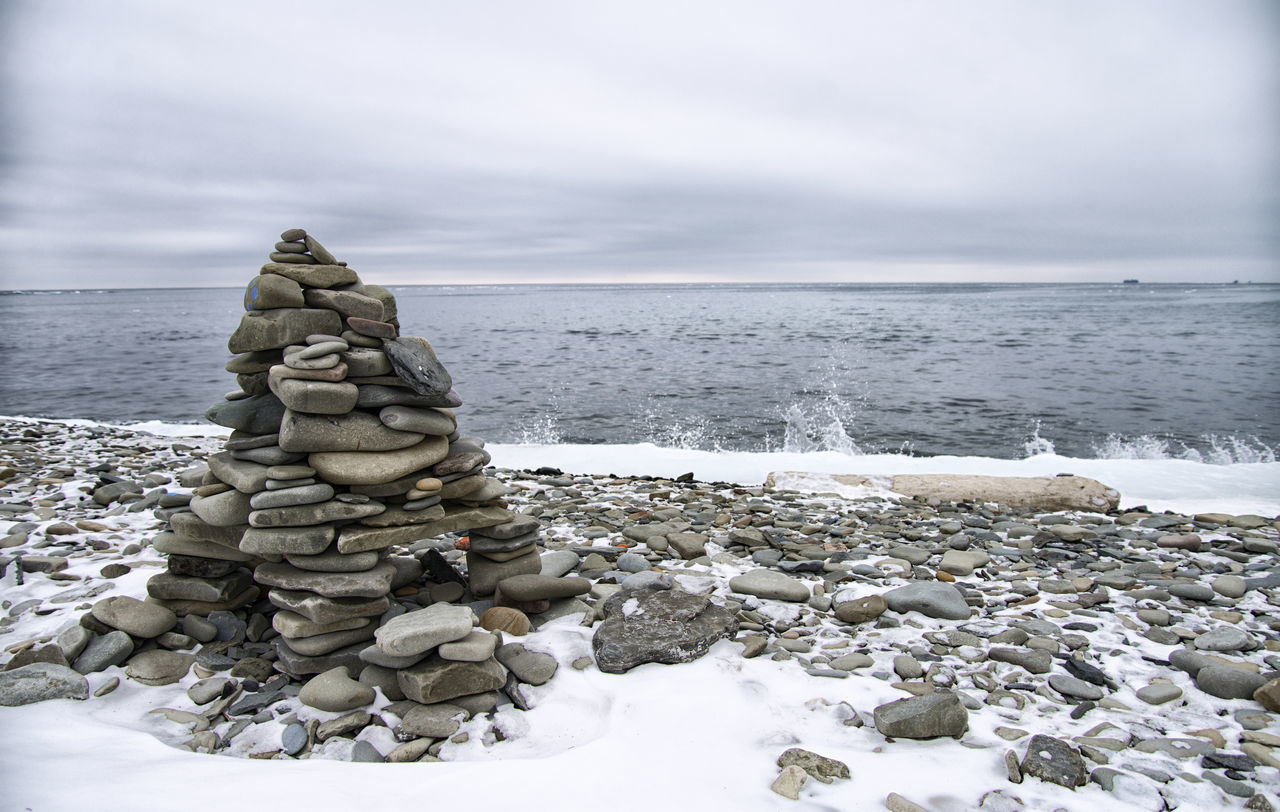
376,467
1035,493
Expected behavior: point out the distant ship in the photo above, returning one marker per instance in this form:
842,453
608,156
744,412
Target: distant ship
1131,281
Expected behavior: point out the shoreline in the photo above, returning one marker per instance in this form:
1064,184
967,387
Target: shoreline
1054,587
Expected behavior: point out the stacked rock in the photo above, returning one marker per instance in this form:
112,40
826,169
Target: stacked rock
344,446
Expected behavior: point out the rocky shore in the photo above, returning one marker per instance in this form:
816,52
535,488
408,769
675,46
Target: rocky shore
1127,658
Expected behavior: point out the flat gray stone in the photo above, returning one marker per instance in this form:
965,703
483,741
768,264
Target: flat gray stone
1226,682
309,515
290,497
159,667
537,587
531,667
415,362
311,540
279,327
103,652
353,431
485,574
371,583
169,587
243,475
319,609
1055,761
929,598
421,421
658,626
333,561
438,721
436,679
226,509
134,616
335,691
940,713
1158,693
1072,687
770,584
258,414
41,681
475,647
1225,638
1033,661
318,645
376,467
422,630
316,397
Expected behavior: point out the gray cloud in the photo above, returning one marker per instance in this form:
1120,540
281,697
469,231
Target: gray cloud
147,143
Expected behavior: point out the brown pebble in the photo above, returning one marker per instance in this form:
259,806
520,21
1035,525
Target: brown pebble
114,570
61,529
92,527
943,575
373,329
108,686
505,619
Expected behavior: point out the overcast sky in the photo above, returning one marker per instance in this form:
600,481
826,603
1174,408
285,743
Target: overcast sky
152,142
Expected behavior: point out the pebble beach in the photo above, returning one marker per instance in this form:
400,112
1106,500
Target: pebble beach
895,652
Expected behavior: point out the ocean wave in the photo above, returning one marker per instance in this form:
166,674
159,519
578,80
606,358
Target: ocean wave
1214,449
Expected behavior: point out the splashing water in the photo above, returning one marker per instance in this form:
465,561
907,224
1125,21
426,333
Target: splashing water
820,429
1036,445
543,429
1229,450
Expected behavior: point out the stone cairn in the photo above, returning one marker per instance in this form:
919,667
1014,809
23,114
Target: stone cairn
345,452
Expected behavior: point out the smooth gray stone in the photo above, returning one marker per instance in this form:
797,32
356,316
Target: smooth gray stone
317,645
316,349
365,362
538,587
270,455
240,441
940,713
354,431
333,561
375,396
335,691
531,667
1189,661
72,640
271,291
311,540
319,609
299,665
371,583
319,513
376,676
1226,682
1055,761
647,579
1078,688
279,327
1225,638
376,467
478,645
421,504
419,631
103,652
41,681
375,656
421,421
627,562
190,527
226,509
658,626
770,584
316,397
415,362
257,414
1158,693
485,574
1192,592
436,679
930,598
1033,661
159,667
173,544
439,721
243,475
206,690
289,497
346,303
293,625
135,617
481,544
294,737
278,484
556,562
169,587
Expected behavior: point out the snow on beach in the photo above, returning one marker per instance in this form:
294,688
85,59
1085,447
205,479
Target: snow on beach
705,733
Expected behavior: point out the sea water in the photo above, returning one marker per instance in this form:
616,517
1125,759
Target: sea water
1004,371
